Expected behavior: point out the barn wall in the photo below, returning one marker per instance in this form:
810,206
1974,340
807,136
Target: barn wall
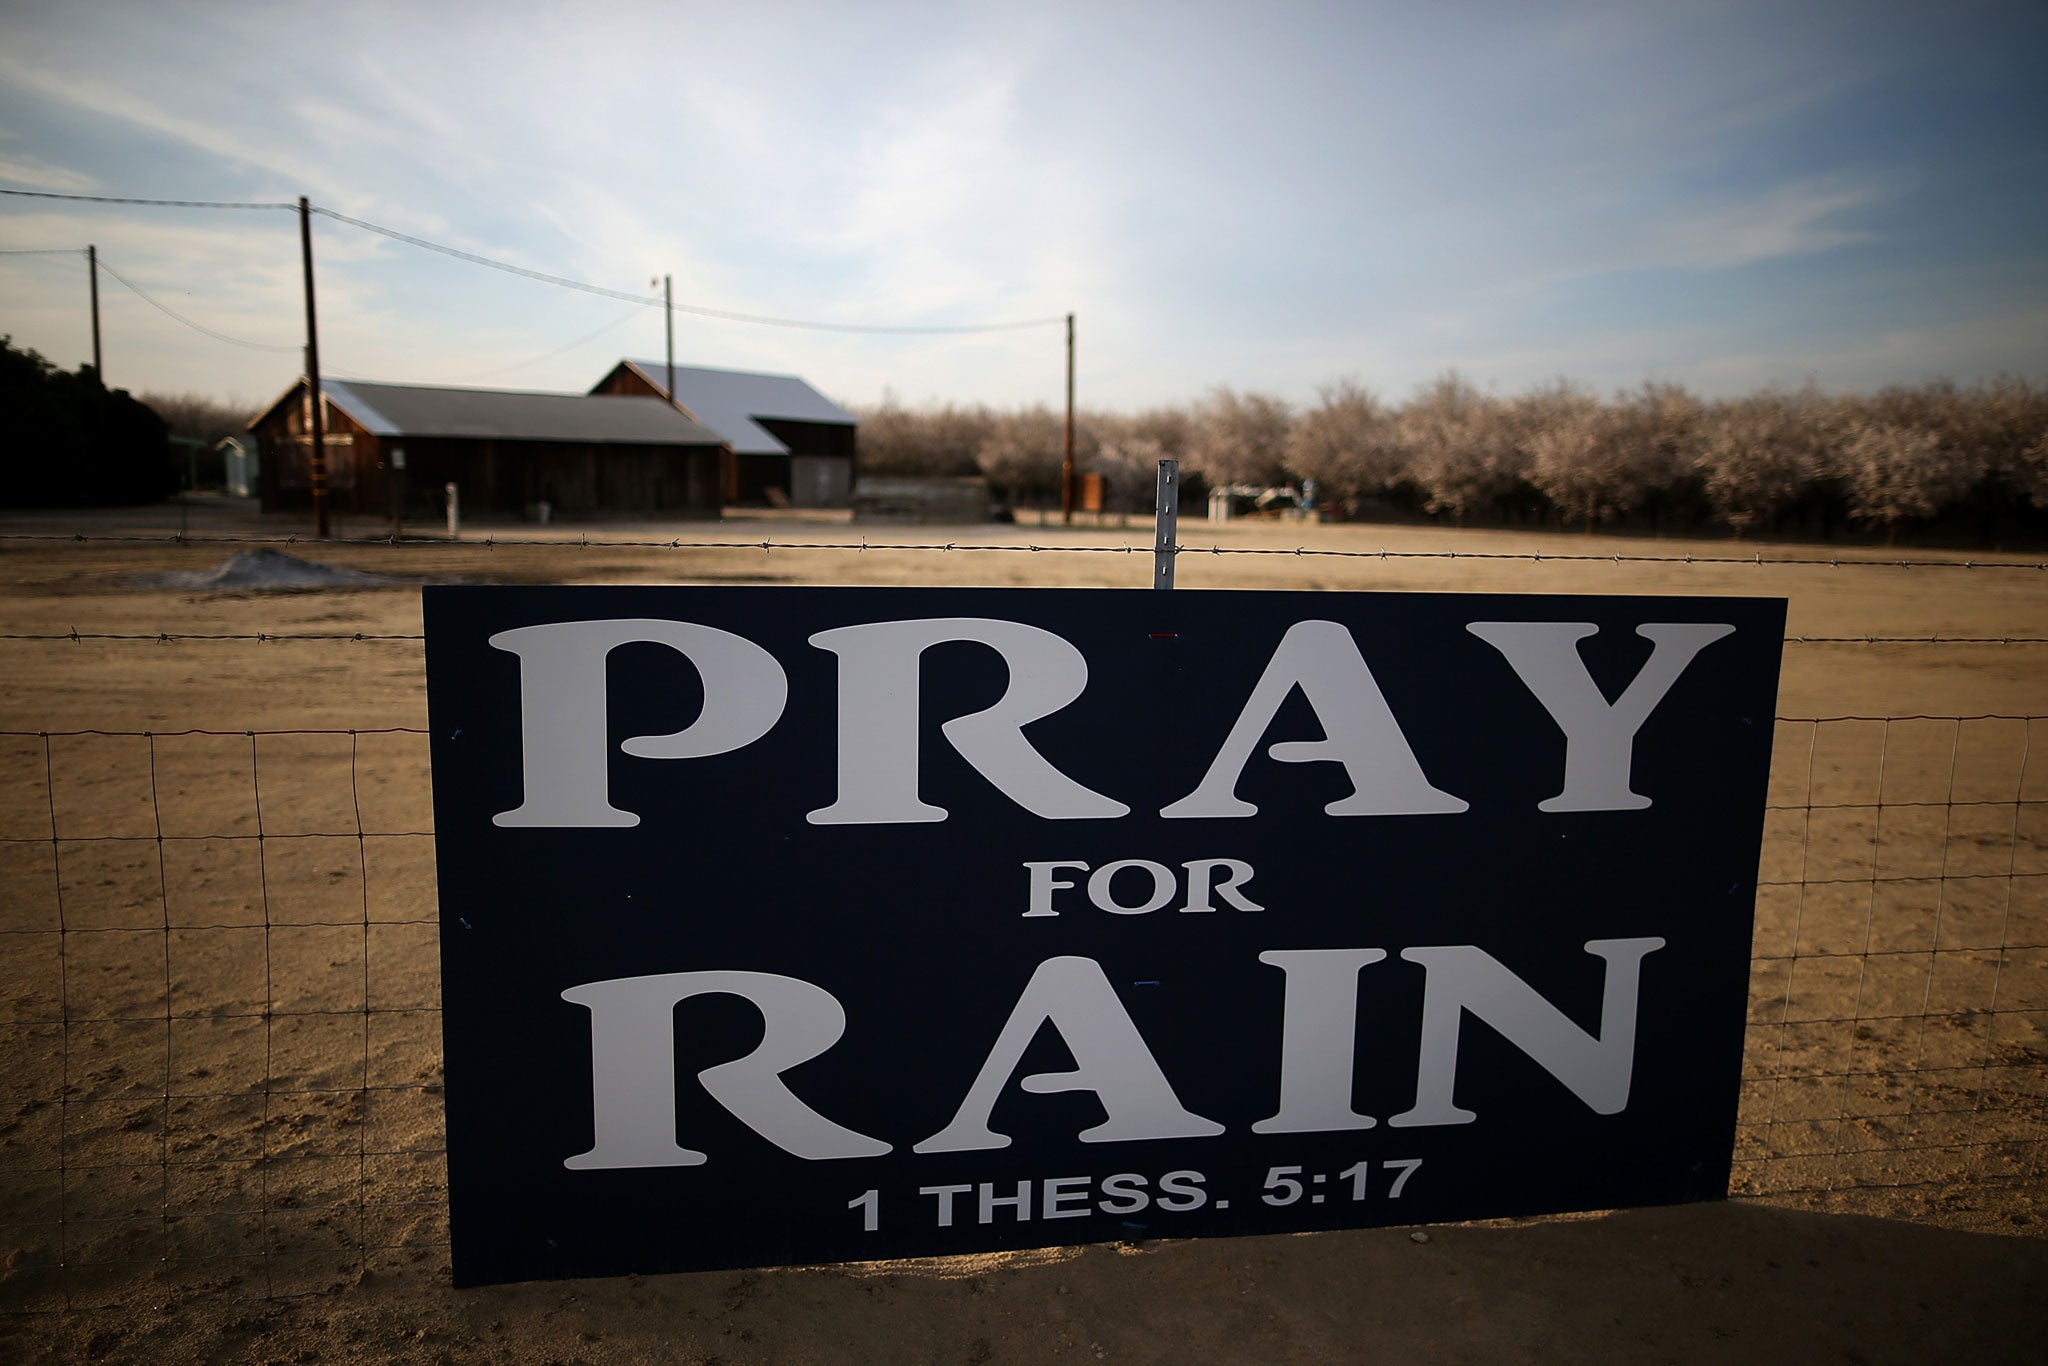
626,382
811,438
761,480
724,477
513,477
355,474
821,457
820,482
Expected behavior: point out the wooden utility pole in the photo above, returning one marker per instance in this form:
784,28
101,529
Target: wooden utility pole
92,269
315,418
1067,460
668,307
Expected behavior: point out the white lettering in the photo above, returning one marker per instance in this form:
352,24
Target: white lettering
1185,1185
633,1068
1599,738
1202,883
1123,1193
944,1195
564,750
1318,1037
1462,977
1199,872
878,720
1101,885
990,1202
1360,732
1074,996
633,1057
1064,1197
1044,884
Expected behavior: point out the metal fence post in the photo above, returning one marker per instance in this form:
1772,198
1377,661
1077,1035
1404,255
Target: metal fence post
1166,523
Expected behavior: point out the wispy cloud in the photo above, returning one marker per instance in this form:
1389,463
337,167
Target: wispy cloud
1592,187
40,175
1770,224
2001,341
95,95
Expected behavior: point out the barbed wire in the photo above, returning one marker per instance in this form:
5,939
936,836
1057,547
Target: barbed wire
863,545
20,734
195,730
1907,716
181,637
273,637
1538,557
1916,640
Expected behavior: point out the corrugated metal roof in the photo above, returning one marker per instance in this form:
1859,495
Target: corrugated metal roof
513,415
729,401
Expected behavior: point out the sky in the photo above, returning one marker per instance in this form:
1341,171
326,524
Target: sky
1275,196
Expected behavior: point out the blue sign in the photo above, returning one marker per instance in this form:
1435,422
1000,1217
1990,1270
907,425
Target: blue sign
791,925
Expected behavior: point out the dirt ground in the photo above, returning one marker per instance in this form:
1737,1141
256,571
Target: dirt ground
219,1122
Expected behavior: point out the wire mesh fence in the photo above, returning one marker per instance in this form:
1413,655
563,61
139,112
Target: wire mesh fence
219,994
221,999
1898,1037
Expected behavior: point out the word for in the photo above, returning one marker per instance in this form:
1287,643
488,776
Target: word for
1202,883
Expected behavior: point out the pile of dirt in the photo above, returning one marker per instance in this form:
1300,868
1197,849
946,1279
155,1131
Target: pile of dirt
266,570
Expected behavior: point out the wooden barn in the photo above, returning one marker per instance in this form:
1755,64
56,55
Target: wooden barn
507,451
792,446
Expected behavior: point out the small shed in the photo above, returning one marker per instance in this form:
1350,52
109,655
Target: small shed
791,445
239,465
509,451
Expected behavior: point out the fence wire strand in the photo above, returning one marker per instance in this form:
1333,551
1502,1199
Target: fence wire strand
279,637
1757,559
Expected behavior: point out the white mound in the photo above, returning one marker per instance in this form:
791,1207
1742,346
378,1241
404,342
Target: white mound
268,569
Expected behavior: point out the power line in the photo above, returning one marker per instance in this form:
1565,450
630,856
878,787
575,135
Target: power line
544,277
157,203
42,251
475,259
168,311
695,309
